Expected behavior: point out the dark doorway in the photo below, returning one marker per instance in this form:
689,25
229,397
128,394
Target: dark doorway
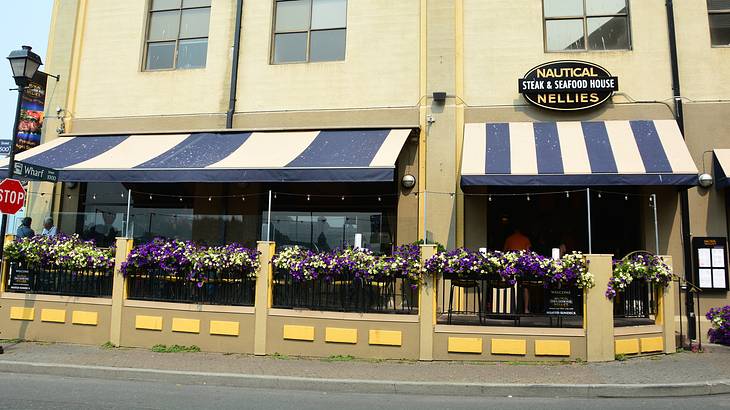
554,218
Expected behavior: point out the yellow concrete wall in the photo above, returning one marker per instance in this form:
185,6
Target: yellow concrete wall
68,321
508,344
639,344
511,33
148,326
307,334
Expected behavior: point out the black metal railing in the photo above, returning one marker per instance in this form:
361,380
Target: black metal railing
493,302
235,289
637,301
52,280
345,293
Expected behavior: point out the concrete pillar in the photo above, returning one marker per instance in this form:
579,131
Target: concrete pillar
264,297
427,307
598,311
119,290
665,312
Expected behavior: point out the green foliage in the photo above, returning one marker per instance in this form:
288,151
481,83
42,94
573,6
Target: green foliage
340,358
621,357
159,348
108,345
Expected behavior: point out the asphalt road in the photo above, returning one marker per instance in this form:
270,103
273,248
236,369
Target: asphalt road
26,391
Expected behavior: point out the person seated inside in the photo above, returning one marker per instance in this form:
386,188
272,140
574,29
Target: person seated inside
24,230
518,241
48,228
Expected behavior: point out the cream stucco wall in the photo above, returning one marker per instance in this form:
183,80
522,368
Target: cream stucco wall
380,68
111,82
504,39
703,68
114,94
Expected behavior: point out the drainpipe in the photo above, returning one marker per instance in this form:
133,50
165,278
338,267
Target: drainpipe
234,66
683,193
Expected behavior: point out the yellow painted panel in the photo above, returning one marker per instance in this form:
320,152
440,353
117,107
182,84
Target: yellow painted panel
552,347
652,344
185,325
465,344
292,332
340,335
148,322
386,337
220,327
53,315
80,317
509,346
21,313
627,346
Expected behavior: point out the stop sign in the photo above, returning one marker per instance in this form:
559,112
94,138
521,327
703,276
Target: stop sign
12,196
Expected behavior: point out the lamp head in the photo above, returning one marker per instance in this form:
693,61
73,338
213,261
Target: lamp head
706,180
24,64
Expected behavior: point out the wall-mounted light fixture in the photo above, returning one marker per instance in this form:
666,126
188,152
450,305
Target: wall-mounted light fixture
408,181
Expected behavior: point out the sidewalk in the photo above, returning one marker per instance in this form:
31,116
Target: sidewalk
681,374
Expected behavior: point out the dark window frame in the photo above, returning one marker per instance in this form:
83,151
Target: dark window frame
711,12
585,17
177,40
308,31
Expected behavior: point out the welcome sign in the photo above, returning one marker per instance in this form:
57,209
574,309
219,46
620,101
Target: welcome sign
568,85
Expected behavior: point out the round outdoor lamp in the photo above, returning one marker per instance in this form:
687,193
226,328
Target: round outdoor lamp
25,64
408,181
705,180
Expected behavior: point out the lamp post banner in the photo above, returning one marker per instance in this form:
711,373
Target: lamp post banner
32,108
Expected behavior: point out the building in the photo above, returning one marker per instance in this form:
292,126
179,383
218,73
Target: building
139,77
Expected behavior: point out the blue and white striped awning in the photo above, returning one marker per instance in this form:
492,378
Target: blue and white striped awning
576,154
306,156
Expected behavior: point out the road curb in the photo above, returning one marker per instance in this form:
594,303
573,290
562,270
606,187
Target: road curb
372,386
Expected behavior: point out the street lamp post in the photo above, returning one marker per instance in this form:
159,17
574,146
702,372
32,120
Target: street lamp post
24,64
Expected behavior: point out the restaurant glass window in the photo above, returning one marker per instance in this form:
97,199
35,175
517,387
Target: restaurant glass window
212,214
309,31
719,14
586,25
177,34
325,231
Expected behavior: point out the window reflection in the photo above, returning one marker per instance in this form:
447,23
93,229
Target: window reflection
324,231
608,33
602,25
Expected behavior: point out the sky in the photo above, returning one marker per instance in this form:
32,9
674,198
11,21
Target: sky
22,22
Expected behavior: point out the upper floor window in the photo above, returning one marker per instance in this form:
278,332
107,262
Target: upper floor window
586,25
309,30
177,34
719,22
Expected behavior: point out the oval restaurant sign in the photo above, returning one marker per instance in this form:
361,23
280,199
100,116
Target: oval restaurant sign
568,85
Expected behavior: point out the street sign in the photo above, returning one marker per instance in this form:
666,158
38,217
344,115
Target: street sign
34,172
5,147
12,196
